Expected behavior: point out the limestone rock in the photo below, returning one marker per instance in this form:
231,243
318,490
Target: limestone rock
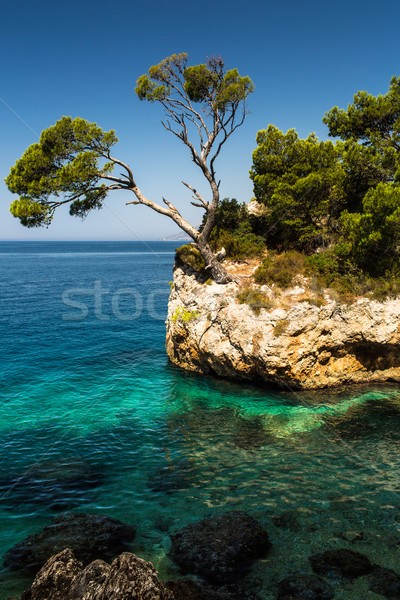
219,548
127,578
295,342
89,537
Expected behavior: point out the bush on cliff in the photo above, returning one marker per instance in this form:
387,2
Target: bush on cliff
234,231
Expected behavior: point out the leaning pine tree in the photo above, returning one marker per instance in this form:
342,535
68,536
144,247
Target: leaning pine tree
72,162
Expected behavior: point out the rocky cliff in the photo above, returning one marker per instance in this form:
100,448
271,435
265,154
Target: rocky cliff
291,338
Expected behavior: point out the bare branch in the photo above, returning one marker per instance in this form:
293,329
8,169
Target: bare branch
186,104
197,196
120,163
170,206
122,182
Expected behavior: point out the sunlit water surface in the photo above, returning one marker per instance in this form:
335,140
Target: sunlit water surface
166,448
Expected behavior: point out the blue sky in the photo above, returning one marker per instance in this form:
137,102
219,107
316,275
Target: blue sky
83,59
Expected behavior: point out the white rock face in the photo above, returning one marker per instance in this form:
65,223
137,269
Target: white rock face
293,343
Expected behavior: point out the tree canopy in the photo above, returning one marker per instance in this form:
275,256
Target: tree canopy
65,166
72,162
339,198
371,120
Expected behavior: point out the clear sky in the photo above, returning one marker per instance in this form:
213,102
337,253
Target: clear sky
82,58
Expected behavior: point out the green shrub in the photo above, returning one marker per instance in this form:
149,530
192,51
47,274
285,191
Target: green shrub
190,255
317,301
184,315
255,299
239,244
233,231
333,269
280,268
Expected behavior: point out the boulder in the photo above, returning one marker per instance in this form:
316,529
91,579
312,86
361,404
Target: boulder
220,548
89,537
127,578
340,561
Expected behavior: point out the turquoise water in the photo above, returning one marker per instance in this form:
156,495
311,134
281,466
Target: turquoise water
85,381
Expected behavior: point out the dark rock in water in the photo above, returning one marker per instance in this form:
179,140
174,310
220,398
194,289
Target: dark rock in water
187,589
57,483
127,578
251,434
352,536
341,562
220,548
304,587
365,420
89,537
287,520
385,582
163,523
296,520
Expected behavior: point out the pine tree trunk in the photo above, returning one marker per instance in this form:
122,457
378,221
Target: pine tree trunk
217,271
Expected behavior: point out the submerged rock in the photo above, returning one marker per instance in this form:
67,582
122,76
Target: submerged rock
251,434
296,520
385,582
127,578
304,587
56,483
341,561
89,537
187,589
220,548
295,342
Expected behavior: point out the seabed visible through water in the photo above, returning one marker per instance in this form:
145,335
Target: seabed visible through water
163,448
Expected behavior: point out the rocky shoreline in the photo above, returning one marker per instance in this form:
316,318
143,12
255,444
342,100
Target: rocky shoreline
215,554
292,338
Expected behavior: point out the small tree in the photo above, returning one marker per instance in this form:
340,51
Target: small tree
372,120
298,181
72,162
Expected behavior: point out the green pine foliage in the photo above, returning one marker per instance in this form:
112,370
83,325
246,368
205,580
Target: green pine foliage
297,181
65,166
234,231
336,203
190,255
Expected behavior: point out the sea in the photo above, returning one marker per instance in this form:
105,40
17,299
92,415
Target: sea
86,388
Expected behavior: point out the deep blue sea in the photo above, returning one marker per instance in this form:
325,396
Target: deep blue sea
85,381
